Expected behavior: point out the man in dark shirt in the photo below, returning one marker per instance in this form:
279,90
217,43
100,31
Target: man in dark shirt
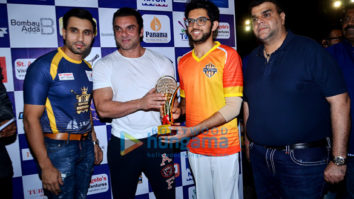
295,100
343,52
6,114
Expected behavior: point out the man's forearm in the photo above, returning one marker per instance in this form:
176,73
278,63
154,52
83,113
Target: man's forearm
233,106
114,109
36,141
215,120
108,108
340,120
340,117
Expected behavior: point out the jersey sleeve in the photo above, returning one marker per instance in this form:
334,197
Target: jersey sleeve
232,76
37,82
101,75
181,85
327,73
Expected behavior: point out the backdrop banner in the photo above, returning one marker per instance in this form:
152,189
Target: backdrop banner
30,28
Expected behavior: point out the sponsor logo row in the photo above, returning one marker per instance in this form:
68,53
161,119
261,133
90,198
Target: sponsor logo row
37,27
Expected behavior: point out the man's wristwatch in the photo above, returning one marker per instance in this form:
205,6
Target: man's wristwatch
96,142
339,160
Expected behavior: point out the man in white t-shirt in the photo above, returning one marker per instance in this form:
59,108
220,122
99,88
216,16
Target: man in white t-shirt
123,84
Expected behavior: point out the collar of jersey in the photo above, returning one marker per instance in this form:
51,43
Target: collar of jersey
67,57
217,44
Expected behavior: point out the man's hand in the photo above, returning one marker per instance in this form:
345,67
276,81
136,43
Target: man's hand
8,131
152,100
98,154
333,173
181,132
51,179
176,111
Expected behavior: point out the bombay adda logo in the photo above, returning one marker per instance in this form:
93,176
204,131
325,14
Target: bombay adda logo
34,27
210,70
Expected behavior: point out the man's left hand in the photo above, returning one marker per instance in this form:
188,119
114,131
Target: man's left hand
98,154
333,173
181,132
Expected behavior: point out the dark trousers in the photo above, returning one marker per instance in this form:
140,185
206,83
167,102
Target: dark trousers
350,178
153,158
6,188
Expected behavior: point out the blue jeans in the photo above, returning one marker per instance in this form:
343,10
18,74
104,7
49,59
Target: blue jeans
75,161
290,174
350,178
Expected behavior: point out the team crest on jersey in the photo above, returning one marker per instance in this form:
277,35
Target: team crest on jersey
83,100
210,70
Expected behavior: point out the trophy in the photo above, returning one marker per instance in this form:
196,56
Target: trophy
167,85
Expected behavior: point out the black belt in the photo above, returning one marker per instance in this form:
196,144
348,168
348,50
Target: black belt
318,143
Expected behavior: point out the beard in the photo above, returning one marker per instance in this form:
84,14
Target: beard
84,51
204,37
349,32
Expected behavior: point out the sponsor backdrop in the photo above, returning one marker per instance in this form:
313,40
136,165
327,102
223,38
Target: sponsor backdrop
30,28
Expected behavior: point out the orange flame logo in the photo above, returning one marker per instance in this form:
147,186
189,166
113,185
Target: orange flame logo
155,24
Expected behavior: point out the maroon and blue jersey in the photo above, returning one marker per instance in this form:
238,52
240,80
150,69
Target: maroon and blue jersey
64,87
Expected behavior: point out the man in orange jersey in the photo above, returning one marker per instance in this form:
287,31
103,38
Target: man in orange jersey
211,85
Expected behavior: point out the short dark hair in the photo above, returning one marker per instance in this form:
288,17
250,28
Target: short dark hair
279,6
347,8
79,13
212,10
125,12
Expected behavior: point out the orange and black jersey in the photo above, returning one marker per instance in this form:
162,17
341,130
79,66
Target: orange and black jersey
205,82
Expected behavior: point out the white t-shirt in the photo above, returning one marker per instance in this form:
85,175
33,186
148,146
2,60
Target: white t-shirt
130,79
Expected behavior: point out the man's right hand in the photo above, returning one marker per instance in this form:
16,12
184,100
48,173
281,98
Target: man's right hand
51,179
152,100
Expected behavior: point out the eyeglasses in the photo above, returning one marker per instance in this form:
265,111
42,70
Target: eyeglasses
201,21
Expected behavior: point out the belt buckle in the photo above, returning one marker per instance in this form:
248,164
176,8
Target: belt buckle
84,136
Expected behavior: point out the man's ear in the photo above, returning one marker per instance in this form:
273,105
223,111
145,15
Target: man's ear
141,32
282,16
215,26
64,33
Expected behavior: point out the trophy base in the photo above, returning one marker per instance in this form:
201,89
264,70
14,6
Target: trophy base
164,130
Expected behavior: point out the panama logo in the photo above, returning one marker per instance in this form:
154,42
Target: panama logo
82,101
210,70
157,29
